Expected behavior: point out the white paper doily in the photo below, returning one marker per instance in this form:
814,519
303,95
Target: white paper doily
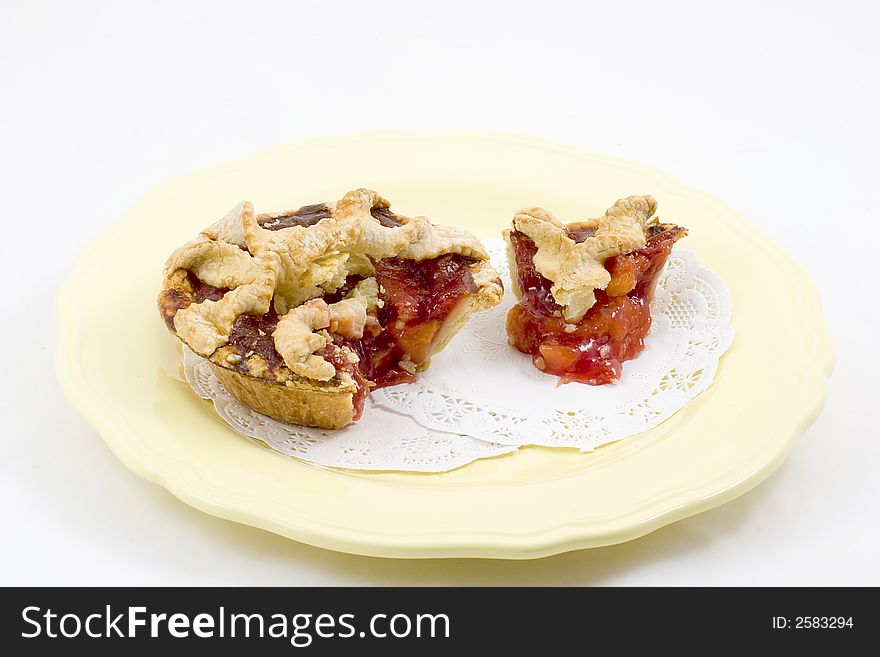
482,387
383,440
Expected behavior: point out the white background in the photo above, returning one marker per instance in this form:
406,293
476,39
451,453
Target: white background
771,106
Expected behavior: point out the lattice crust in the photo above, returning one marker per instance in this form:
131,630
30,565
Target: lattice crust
285,262
576,268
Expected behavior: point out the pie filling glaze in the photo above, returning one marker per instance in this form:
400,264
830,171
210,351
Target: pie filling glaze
382,320
591,350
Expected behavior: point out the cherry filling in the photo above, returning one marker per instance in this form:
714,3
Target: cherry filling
417,297
613,329
386,217
308,215
252,334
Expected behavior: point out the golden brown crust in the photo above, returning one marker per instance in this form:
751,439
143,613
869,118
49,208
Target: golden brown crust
296,402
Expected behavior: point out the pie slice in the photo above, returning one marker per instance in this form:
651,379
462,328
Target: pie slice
302,313
585,288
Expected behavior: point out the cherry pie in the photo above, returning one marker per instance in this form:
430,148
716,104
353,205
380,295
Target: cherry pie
302,313
585,288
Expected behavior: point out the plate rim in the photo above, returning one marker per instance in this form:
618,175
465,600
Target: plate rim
185,483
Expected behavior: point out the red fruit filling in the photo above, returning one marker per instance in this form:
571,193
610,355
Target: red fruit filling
612,331
252,334
418,297
308,215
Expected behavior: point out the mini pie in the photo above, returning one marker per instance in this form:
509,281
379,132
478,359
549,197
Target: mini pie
585,288
301,313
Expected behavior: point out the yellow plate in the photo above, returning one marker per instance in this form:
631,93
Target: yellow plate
119,366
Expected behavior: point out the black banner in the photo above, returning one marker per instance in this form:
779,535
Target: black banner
430,620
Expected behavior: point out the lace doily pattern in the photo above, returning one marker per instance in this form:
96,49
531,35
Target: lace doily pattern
482,387
384,441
